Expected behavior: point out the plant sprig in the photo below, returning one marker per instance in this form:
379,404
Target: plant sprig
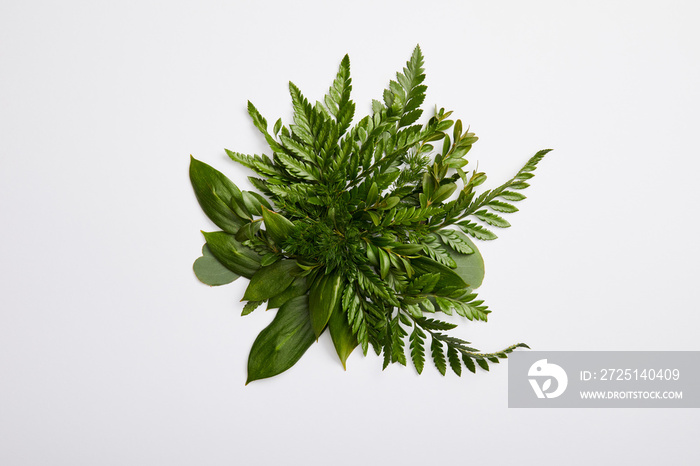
364,229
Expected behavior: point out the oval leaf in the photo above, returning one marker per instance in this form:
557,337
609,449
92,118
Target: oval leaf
469,266
282,343
210,271
271,280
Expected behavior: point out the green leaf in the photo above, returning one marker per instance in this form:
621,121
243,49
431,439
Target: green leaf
433,324
338,97
324,296
443,192
297,288
438,354
277,226
492,219
271,280
232,254
219,198
417,341
282,343
383,263
455,240
502,207
448,278
512,196
477,231
469,363
372,194
343,337
250,306
210,271
453,357
389,203
470,267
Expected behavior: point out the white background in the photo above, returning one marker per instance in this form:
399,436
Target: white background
112,353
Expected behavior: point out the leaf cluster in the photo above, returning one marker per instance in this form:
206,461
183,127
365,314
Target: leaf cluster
361,229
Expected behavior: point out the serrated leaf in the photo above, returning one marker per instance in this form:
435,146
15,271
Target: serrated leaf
432,324
492,219
453,357
502,206
438,355
455,240
250,306
477,231
512,196
469,363
416,342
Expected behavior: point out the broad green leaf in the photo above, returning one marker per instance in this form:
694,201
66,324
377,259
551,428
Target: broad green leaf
232,254
271,280
470,267
341,334
219,198
277,226
297,288
210,271
324,296
282,343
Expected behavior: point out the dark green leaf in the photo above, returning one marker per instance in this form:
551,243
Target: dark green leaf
250,306
282,343
297,288
271,280
277,226
324,296
219,198
438,354
232,254
343,337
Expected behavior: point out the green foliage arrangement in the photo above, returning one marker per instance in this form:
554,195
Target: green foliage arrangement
353,229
